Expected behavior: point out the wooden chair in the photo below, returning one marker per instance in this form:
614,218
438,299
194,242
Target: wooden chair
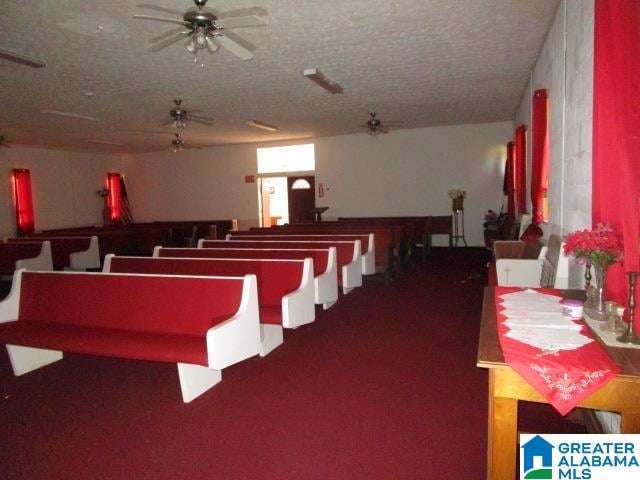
549,269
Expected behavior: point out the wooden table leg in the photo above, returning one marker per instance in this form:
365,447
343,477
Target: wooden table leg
503,432
630,422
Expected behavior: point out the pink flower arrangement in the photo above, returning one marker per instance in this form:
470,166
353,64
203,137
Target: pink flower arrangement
601,246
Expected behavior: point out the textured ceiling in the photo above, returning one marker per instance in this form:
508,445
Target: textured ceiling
425,62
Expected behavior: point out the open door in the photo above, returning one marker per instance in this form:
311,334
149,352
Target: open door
302,199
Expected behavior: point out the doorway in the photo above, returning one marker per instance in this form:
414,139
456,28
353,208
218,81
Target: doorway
286,200
302,198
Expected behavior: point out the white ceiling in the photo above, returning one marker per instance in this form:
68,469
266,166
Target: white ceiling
425,62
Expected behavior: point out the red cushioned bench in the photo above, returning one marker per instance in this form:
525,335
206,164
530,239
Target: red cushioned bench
348,253
28,255
285,287
325,271
367,243
203,324
75,253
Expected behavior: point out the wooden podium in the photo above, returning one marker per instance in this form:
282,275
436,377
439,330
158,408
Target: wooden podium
318,211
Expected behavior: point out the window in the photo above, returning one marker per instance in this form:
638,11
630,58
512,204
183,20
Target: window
540,156
295,158
25,220
300,184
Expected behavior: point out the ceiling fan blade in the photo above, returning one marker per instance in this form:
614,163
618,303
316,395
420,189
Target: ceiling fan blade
204,121
212,45
240,22
160,9
235,48
21,58
165,43
166,34
161,19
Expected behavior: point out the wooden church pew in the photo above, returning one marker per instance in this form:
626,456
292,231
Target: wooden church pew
203,324
348,255
325,269
285,287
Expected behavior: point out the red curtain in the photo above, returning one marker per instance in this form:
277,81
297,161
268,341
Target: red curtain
509,180
113,200
539,154
521,168
616,133
25,219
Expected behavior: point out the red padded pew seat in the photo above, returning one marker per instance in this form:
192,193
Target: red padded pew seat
109,343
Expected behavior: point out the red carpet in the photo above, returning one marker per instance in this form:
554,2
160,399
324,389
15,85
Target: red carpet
382,386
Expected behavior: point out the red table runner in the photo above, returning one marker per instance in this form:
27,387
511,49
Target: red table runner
564,378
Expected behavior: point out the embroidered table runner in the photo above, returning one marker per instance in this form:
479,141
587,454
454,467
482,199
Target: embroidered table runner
556,356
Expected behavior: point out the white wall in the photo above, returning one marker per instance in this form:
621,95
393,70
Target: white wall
64,186
565,69
406,172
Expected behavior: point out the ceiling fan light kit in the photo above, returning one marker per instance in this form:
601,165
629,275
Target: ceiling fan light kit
21,58
318,77
177,143
263,126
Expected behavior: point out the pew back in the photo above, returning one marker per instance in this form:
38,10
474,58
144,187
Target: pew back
319,256
144,303
29,255
69,252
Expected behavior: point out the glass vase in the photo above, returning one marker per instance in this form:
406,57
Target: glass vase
596,305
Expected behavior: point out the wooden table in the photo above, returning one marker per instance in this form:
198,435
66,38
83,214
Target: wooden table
506,387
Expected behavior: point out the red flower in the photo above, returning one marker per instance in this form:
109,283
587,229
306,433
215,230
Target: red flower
601,246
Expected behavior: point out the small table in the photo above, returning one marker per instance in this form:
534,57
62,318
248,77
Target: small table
506,387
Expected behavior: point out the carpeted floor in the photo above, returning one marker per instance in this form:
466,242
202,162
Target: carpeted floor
382,386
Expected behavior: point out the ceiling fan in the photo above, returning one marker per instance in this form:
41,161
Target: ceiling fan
202,29
178,144
375,126
179,117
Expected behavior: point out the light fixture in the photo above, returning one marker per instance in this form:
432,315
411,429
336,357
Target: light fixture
177,143
198,41
21,58
69,115
263,126
179,115
316,76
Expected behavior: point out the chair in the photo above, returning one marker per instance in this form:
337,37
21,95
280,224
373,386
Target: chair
436,225
549,269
